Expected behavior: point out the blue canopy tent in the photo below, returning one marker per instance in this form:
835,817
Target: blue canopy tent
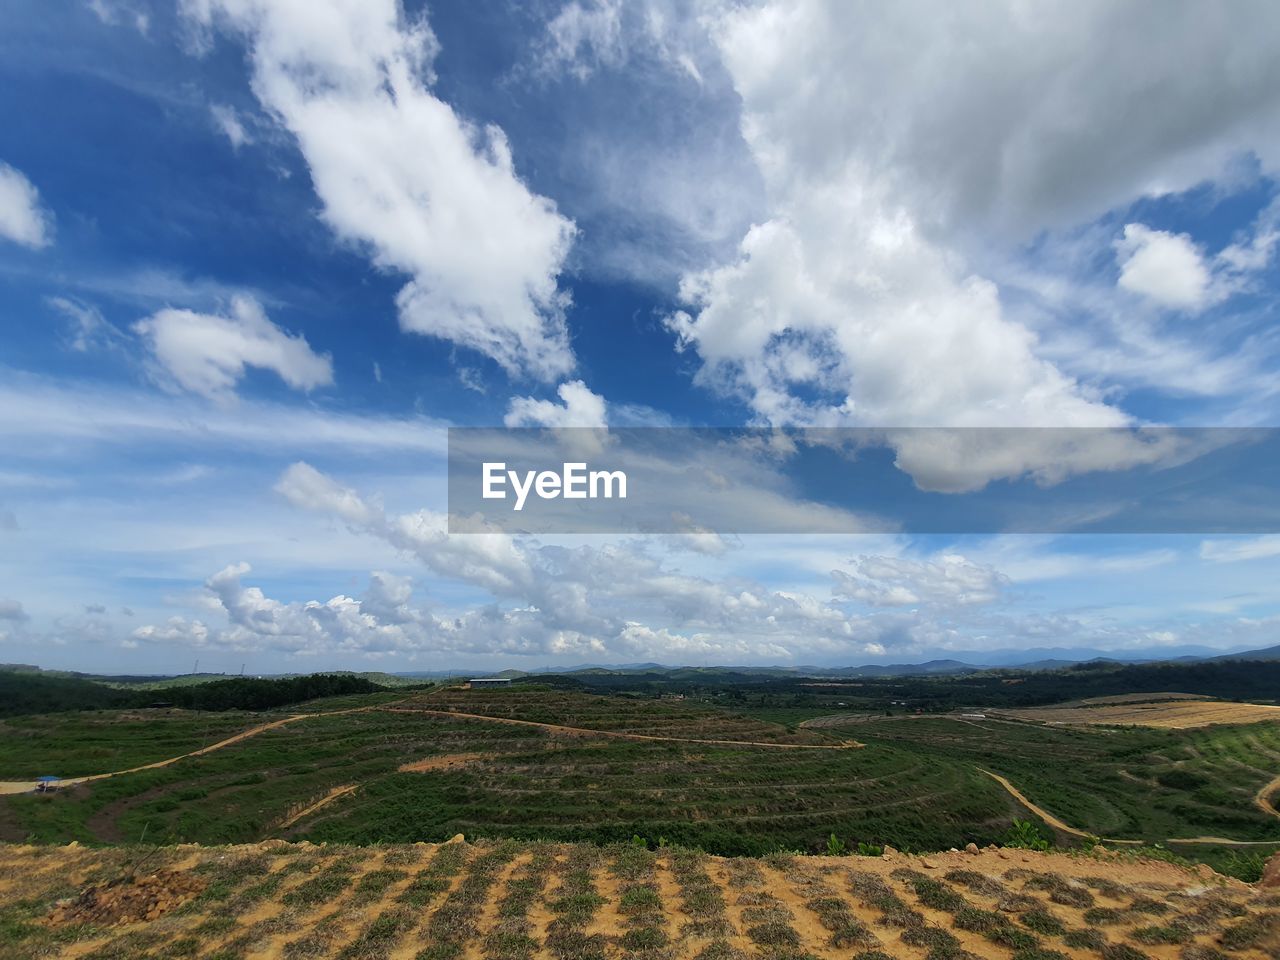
46,783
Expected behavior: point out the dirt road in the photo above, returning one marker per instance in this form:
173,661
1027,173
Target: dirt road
328,798
1262,799
26,786
1057,824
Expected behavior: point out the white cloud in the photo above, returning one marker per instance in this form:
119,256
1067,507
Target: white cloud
581,35
207,354
1237,549
70,420
1165,267
112,12
189,633
22,219
401,174
470,378
1254,252
227,120
578,407
897,146
1004,117
586,35
586,597
89,329
897,581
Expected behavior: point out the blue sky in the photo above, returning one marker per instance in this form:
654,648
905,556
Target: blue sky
257,255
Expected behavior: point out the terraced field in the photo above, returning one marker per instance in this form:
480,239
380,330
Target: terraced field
641,718
1136,783
418,771
538,764
521,901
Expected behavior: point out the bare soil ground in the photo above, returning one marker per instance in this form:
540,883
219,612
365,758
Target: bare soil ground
528,901
1178,712
449,761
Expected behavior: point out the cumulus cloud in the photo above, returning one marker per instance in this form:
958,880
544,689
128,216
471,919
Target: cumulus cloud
22,219
630,600
1001,116
840,307
188,633
207,354
855,298
1165,267
578,407
402,175
583,598
897,581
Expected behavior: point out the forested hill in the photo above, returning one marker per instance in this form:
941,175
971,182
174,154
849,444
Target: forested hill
26,693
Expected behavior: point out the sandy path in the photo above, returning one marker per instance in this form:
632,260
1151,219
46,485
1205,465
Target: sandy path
586,732
1039,811
26,786
1262,799
328,798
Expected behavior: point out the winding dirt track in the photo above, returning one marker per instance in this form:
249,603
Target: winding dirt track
1262,799
26,786
1057,824
617,734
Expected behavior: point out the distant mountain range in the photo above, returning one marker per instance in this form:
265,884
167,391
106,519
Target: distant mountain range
962,663
1055,658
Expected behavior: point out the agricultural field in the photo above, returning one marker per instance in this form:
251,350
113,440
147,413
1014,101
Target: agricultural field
669,717
727,785
1132,782
82,743
538,764
509,900
1171,711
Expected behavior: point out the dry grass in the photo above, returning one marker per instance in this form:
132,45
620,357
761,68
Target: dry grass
1171,711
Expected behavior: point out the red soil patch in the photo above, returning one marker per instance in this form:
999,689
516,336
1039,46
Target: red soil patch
449,761
128,899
